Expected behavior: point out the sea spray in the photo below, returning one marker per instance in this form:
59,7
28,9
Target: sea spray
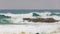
18,18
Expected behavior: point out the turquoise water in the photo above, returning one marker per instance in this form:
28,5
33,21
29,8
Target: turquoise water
12,16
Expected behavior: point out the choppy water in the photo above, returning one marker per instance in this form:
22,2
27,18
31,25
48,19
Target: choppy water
15,24
16,16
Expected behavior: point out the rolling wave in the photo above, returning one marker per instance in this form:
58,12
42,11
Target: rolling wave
18,18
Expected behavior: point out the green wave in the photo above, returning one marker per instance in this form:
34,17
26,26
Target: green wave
3,16
55,14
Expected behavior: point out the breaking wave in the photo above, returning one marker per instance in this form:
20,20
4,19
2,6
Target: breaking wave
18,18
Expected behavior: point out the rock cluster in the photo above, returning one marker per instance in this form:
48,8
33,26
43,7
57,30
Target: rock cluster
40,19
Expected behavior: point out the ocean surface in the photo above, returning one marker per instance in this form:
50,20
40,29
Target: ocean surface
11,22
15,16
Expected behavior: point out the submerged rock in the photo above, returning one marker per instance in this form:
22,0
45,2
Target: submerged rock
41,19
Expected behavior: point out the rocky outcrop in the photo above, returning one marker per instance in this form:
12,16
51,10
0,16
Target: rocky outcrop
26,19
40,19
49,20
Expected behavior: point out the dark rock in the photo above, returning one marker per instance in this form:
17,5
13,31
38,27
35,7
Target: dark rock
41,19
49,20
26,19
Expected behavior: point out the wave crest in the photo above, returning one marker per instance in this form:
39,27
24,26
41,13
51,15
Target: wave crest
18,18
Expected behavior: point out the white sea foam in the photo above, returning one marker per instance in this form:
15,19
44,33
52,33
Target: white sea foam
18,18
33,29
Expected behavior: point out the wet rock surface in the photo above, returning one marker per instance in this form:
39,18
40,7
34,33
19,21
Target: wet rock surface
40,19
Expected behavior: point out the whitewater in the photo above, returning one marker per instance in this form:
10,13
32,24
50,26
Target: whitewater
18,18
12,23
30,29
